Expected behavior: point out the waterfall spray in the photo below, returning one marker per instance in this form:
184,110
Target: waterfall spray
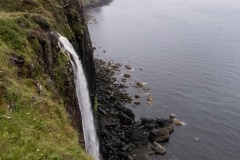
89,131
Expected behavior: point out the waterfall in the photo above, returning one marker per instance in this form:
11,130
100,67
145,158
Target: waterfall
89,131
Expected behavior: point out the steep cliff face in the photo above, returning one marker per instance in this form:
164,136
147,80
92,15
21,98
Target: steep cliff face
36,79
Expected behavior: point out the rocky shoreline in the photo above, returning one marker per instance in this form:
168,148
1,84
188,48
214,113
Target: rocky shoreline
120,135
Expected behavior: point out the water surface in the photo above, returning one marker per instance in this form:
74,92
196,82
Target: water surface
189,52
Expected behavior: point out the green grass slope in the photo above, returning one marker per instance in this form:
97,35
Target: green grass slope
33,121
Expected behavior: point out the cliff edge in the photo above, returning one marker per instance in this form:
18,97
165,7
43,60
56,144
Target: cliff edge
39,113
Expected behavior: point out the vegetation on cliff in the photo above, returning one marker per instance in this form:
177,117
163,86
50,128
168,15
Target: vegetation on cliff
37,117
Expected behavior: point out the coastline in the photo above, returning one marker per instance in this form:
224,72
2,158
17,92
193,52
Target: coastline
120,136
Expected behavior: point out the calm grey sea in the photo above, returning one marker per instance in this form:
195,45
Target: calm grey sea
189,53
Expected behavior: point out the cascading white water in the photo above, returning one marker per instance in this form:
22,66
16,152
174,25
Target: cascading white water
89,131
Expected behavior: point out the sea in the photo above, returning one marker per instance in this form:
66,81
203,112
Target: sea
187,54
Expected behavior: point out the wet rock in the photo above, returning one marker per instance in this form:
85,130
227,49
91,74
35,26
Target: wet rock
139,84
150,100
137,96
158,148
177,122
159,135
127,75
119,106
125,120
170,128
137,102
124,79
128,66
163,122
148,122
145,88
151,152
138,137
125,147
102,111
129,113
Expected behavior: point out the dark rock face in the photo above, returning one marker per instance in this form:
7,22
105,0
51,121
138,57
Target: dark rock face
74,13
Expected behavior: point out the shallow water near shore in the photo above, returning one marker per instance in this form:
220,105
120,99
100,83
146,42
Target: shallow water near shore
189,53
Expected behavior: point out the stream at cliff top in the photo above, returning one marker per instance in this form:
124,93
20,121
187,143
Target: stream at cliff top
89,131
189,52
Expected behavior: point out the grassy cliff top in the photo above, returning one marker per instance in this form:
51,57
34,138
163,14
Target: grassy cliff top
33,120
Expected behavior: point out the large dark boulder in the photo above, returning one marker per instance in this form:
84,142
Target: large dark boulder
129,113
148,122
125,119
138,137
168,124
159,135
163,122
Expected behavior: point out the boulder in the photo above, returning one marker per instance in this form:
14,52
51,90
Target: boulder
159,135
129,113
128,66
127,75
148,122
139,84
137,96
163,122
125,120
138,137
177,122
119,106
150,101
137,101
158,148
125,147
